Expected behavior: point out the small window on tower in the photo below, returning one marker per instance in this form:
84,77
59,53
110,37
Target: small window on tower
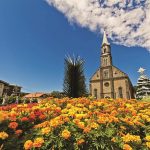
95,93
105,74
104,50
120,92
106,62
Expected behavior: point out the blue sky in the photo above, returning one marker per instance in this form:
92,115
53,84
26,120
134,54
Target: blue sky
35,37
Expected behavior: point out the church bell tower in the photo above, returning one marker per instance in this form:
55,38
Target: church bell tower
106,69
106,59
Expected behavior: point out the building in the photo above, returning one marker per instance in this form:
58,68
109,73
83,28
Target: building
9,89
109,81
38,96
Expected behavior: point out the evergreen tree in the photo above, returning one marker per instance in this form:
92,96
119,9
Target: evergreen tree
74,80
143,85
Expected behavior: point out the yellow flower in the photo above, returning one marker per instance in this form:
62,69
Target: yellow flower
45,130
38,142
131,138
81,141
148,144
66,134
81,125
94,125
127,147
28,145
3,135
147,138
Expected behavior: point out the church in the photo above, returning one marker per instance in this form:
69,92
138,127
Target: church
109,81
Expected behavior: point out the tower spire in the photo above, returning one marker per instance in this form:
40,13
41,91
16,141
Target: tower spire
105,41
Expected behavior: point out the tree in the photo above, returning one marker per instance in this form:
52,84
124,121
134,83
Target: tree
143,85
57,94
74,79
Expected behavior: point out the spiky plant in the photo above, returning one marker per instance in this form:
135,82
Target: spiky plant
74,80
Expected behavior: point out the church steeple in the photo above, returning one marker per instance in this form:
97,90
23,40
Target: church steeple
106,59
105,41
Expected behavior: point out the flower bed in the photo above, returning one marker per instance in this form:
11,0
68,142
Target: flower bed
81,123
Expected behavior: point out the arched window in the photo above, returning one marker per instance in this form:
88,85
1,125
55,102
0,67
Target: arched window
120,92
95,93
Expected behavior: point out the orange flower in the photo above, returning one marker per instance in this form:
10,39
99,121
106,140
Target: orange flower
38,142
66,134
113,139
127,147
24,119
13,125
18,132
76,121
81,141
42,117
81,125
28,145
87,130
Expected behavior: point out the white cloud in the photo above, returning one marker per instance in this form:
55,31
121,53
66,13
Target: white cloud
127,22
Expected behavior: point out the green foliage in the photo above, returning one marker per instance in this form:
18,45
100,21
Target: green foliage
74,80
57,94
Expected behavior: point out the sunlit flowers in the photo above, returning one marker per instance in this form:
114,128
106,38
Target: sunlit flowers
3,135
131,138
66,134
80,141
13,125
45,130
79,123
28,145
38,142
147,138
127,147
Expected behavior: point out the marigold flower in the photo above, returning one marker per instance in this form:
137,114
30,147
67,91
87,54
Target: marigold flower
38,142
24,119
18,132
3,135
32,117
42,117
147,138
65,134
46,130
133,138
13,125
94,125
28,145
76,121
81,125
127,147
113,139
148,144
87,130
81,141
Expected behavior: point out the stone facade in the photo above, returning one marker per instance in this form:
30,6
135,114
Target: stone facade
109,81
9,89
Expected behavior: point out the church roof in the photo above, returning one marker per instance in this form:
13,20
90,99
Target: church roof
105,40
